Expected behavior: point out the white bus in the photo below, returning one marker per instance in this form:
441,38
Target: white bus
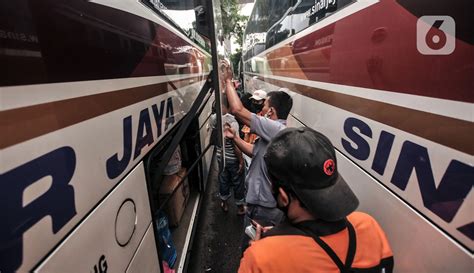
390,82
95,96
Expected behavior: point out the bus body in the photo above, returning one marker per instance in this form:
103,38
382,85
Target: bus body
88,90
398,111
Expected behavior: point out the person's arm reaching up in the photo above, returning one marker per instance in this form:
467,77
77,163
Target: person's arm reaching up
235,105
245,147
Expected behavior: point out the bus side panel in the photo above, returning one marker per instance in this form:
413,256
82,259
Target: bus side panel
110,235
401,212
87,90
74,165
418,245
146,257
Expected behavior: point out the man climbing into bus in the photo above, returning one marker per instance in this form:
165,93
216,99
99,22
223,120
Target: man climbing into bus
322,233
261,205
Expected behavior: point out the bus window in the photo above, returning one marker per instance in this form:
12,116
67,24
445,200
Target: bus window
219,84
264,16
279,32
309,12
302,15
182,14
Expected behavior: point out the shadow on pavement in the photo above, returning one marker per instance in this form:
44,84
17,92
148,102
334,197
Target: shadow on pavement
218,235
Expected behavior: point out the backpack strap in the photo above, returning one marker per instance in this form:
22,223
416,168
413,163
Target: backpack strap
343,267
351,251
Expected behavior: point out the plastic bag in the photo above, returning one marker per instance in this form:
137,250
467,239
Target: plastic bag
174,165
165,241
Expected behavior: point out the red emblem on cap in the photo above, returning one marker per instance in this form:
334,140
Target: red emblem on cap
329,167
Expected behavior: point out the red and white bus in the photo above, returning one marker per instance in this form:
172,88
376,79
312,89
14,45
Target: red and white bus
390,83
93,96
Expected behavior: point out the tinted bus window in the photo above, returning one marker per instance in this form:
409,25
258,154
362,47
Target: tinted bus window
274,21
310,12
264,15
182,15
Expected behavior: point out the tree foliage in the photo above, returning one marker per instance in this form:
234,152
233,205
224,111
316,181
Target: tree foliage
232,22
234,26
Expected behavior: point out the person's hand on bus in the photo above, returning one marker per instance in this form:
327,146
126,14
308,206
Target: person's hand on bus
226,70
229,132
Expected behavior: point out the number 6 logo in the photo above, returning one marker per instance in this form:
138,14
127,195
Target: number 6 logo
435,35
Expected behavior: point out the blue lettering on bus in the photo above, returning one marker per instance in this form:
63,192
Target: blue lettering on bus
158,114
384,147
444,200
169,113
101,266
115,166
467,230
57,202
144,126
456,183
362,150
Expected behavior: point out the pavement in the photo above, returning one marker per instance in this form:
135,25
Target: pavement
216,247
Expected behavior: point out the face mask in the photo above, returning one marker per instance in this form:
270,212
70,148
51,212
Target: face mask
267,114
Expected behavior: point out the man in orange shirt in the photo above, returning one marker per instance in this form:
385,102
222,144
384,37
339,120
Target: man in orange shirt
323,233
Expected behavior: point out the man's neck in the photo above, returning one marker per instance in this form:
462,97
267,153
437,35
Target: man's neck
302,217
274,117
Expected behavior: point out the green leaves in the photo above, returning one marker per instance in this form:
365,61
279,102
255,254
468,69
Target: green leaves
233,23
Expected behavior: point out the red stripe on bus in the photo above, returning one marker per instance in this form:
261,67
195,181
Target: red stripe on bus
447,131
371,50
22,124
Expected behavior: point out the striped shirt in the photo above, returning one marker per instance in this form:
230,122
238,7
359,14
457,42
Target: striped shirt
229,148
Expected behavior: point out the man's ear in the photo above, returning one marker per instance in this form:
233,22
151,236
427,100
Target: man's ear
274,111
284,198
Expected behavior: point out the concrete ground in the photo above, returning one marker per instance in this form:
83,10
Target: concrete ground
218,235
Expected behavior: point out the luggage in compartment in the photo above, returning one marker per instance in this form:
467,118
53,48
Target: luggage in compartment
175,207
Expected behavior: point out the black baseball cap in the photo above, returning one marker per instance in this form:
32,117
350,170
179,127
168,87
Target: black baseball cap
304,161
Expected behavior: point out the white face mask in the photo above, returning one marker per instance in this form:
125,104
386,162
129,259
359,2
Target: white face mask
267,114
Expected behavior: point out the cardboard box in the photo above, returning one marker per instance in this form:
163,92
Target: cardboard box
177,203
